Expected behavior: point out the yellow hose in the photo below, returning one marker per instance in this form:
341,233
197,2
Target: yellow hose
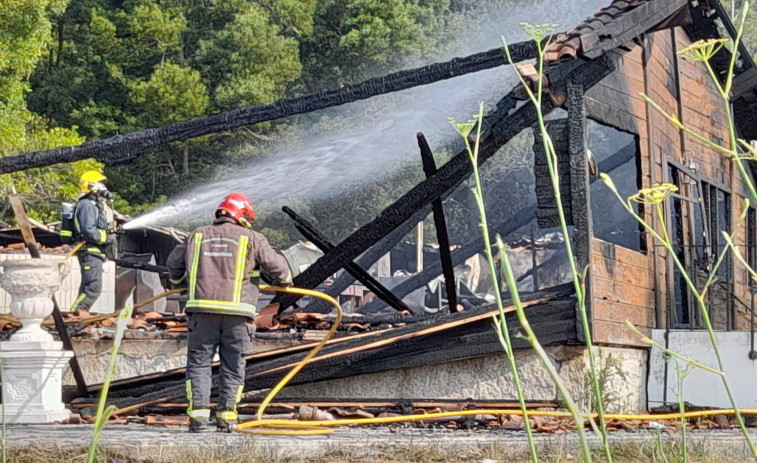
306,428
75,249
410,418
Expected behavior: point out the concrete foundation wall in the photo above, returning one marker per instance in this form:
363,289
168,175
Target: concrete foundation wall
136,357
142,353
701,387
623,373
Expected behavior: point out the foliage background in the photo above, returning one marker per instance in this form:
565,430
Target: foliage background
72,70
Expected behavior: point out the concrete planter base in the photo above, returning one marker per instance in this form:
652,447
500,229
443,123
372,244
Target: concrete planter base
32,382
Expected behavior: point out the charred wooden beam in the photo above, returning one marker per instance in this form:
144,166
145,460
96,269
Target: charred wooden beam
120,148
520,219
628,26
500,128
548,212
429,168
309,232
366,260
423,343
580,186
250,405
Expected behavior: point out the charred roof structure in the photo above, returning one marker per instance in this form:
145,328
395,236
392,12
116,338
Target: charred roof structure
595,73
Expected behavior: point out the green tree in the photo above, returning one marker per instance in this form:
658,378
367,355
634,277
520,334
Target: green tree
249,61
24,33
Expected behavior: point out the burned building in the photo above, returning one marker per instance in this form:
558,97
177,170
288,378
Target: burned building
595,74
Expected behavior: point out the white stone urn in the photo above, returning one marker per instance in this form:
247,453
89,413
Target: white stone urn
31,284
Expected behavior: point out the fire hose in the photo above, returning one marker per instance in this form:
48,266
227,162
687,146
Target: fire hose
260,426
303,428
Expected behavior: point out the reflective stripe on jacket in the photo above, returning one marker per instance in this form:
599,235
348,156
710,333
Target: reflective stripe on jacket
91,224
217,261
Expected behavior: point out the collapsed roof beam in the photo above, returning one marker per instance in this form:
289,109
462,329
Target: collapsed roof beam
628,26
365,261
500,127
312,234
440,222
520,219
120,148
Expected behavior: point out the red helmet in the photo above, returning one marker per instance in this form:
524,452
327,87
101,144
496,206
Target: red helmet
238,207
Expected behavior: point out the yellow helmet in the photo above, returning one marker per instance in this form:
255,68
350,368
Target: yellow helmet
89,179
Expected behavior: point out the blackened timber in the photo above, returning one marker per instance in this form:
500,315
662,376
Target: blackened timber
512,224
580,189
500,128
327,402
520,219
443,338
547,212
120,148
309,232
628,26
365,261
429,168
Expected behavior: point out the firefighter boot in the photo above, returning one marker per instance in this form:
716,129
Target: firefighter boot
226,420
200,424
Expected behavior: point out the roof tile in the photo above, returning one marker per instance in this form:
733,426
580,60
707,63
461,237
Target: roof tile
568,44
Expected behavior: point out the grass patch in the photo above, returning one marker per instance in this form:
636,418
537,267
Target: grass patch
556,450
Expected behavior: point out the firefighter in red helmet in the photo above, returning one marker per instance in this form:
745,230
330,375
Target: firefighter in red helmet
216,262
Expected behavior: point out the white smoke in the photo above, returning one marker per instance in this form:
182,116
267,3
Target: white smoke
328,162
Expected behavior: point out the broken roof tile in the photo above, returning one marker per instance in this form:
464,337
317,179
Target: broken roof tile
568,44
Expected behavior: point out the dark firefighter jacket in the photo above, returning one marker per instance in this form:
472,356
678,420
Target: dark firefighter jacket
217,262
92,224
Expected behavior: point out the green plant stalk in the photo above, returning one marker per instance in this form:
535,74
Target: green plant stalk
646,340
502,329
578,278
698,297
103,414
681,410
2,438
660,448
740,257
536,346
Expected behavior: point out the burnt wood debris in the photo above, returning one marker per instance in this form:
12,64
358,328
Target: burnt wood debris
499,128
460,255
425,342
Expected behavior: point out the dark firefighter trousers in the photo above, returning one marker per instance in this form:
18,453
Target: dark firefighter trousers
91,286
231,335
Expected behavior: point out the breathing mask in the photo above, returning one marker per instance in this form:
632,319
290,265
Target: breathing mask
103,192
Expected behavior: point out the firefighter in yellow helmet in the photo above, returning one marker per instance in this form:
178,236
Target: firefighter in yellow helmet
94,223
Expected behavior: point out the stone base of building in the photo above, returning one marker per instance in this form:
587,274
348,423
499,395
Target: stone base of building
622,372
